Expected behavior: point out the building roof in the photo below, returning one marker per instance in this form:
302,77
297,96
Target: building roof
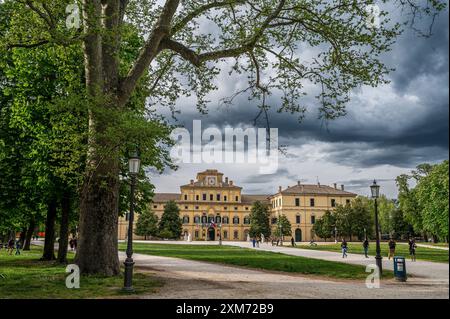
165,197
249,199
315,189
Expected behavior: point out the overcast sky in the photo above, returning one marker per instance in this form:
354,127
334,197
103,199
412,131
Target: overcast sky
388,130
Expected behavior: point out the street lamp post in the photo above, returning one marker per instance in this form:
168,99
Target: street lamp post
375,190
134,163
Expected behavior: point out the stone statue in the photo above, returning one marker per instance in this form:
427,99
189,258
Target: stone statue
248,237
189,239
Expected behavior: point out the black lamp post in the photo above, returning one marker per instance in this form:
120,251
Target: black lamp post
134,163
375,189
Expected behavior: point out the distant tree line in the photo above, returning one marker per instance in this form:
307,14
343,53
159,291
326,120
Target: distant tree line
420,211
169,227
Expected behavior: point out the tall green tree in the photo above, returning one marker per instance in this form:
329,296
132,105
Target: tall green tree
261,37
432,194
324,226
260,220
170,225
147,224
283,227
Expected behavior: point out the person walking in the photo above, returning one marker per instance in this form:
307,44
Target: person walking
412,249
391,245
293,242
254,242
10,246
18,247
344,247
366,248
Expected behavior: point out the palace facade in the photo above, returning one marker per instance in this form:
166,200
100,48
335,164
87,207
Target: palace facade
212,205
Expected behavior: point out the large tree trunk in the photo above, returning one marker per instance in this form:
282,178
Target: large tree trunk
49,243
22,237
97,251
64,228
29,234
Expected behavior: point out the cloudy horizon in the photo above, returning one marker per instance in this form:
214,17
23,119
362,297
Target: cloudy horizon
387,131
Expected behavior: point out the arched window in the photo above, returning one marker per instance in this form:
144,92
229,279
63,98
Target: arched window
297,219
225,234
196,219
185,219
246,220
235,234
235,220
210,219
204,219
218,219
225,220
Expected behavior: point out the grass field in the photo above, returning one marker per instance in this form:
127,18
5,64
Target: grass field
26,277
255,259
422,253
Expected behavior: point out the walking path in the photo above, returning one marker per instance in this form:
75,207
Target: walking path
421,272
186,279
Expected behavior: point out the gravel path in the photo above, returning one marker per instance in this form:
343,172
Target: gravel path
185,279
423,272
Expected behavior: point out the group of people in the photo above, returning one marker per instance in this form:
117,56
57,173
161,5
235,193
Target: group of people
11,245
391,244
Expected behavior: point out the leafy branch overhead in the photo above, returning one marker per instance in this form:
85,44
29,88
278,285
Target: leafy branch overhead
282,46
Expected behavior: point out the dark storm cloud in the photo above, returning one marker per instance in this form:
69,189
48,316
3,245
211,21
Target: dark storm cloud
270,178
402,124
362,183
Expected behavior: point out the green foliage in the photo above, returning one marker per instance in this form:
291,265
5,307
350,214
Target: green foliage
147,224
283,227
426,205
170,225
260,220
432,194
324,226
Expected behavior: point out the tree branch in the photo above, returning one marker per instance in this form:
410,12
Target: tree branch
200,10
247,46
149,51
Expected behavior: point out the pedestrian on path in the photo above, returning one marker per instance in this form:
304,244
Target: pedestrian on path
392,245
412,249
366,248
344,247
254,242
10,246
293,242
17,247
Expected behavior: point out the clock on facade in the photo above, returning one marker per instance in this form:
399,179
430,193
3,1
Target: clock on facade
211,180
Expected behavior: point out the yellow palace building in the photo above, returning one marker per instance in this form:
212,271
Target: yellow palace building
212,205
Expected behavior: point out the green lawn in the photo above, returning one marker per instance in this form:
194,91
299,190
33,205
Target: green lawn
422,253
26,277
254,259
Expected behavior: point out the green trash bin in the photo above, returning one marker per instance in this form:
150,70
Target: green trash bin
400,268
